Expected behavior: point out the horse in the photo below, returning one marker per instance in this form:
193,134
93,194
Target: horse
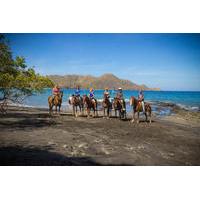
137,107
55,101
117,106
106,104
90,104
76,102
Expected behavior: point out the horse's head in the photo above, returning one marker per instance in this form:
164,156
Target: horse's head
133,101
115,102
61,94
85,98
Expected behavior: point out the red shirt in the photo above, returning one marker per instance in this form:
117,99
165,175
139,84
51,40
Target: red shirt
56,90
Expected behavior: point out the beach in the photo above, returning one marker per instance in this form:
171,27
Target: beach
30,136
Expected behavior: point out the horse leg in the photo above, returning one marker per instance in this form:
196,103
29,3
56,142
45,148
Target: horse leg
94,112
82,109
108,112
50,109
146,116
120,114
88,112
133,116
59,109
79,109
138,117
56,109
103,112
150,117
76,111
73,111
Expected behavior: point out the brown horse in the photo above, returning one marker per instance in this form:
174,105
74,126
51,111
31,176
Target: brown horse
90,104
55,101
117,106
137,108
107,106
76,102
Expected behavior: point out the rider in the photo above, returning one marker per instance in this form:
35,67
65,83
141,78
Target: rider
91,94
106,93
77,91
120,96
56,91
141,99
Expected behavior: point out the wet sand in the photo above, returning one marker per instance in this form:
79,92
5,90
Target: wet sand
29,136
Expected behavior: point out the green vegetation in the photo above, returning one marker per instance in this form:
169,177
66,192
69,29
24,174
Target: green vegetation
17,80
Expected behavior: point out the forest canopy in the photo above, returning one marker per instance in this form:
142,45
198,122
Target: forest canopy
17,80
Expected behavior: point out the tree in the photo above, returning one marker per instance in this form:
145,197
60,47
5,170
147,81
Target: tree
17,80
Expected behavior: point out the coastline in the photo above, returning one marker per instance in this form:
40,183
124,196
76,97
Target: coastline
29,136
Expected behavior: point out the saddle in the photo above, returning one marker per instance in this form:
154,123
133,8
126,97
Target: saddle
139,106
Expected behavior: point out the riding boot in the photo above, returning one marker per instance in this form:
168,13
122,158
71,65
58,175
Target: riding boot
143,107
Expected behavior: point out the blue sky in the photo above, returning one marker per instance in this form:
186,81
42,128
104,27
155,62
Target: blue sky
168,61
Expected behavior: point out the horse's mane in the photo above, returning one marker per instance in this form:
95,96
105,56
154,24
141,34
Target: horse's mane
135,100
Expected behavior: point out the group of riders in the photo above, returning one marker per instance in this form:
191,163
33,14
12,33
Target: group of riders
106,95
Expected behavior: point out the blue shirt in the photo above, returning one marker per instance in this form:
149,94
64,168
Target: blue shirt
91,94
77,92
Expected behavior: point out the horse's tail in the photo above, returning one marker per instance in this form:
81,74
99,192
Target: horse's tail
70,100
148,108
131,101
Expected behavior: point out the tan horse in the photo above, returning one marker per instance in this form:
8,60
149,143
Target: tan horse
90,104
55,101
107,106
137,108
76,102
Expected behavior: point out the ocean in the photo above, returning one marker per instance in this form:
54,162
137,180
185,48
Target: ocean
187,100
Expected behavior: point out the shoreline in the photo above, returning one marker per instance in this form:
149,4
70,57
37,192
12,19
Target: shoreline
177,113
160,109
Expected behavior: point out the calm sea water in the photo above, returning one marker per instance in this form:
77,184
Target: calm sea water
187,100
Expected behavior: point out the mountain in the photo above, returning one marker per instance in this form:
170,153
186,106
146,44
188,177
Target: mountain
106,80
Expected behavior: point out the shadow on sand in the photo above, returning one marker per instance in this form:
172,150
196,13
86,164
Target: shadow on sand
23,156
26,120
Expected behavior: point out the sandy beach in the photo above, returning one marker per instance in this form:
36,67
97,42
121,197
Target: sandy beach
29,136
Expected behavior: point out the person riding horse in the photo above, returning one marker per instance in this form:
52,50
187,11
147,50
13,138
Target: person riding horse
55,99
141,100
120,96
77,92
91,95
106,104
56,91
106,94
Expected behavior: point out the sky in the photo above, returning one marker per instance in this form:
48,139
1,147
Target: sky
167,61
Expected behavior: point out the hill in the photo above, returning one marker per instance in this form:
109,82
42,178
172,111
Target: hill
106,80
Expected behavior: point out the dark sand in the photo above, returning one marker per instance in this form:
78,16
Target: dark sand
29,136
